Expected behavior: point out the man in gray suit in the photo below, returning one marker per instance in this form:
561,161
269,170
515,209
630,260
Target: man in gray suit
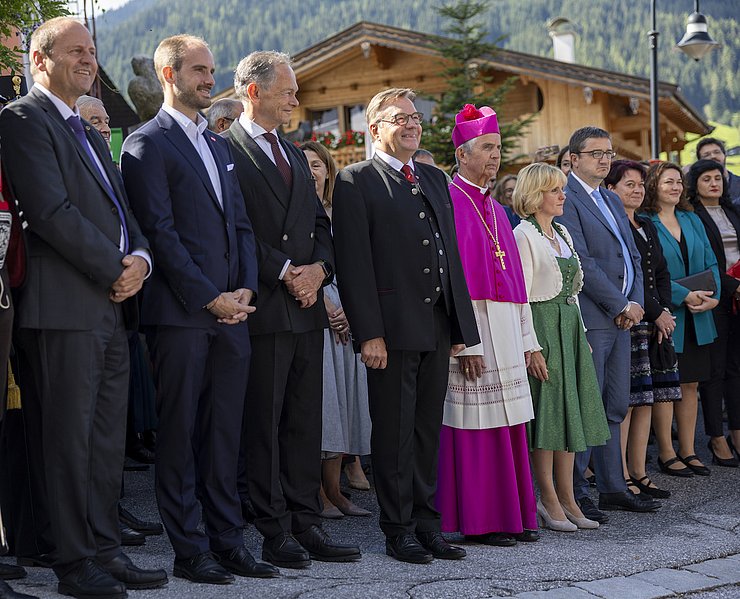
86,258
611,303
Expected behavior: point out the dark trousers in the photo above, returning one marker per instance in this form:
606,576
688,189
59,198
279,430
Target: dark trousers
201,376
82,378
406,405
283,431
724,382
611,354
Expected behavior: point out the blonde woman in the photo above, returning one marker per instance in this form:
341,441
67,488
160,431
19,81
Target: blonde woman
569,413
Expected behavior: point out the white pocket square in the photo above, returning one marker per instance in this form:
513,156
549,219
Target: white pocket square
230,167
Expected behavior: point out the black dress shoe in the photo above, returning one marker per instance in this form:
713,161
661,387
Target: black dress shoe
527,536
436,544
406,548
645,486
122,568
140,454
284,551
730,462
145,528
699,468
320,546
8,593
495,539
239,561
202,568
40,560
11,572
89,580
129,536
590,511
625,500
732,447
665,468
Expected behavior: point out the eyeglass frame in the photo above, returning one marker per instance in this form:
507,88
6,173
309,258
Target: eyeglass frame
418,120
592,153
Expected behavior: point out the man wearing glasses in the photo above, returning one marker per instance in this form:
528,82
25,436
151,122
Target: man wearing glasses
611,303
407,302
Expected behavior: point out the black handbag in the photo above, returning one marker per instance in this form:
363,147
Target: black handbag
701,281
662,355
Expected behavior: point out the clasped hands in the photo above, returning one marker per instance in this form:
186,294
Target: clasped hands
232,307
303,282
631,316
129,282
700,301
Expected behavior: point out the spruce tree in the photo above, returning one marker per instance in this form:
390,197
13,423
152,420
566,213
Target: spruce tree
465,50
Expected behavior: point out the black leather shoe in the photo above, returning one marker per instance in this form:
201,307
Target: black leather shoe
665,468
495,539
11,572
436,544
239,561
129,536
89,580
527,536
732,447
320,546
40,560
140,454
589,510
697,468
8,593
123,569
202,568
284,551
646,486
145,528
730,462
627,501
405,548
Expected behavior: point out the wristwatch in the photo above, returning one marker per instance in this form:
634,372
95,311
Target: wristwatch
326,267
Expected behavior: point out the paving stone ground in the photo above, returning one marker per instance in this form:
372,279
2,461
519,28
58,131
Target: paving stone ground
690,549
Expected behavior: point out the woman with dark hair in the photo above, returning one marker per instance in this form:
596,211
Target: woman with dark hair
706,190
503,192
345,411
653,381
563,160
687,252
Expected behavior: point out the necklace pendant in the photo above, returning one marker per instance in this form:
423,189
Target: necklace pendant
499,253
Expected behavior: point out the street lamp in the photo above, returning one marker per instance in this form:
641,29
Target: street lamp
696,42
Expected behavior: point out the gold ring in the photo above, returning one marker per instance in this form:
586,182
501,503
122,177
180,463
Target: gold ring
303,292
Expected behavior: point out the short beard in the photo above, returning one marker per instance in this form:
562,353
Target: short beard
192,100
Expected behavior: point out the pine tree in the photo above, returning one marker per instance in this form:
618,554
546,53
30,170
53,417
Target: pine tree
465,50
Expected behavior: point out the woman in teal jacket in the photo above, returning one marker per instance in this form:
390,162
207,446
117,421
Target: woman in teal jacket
687,252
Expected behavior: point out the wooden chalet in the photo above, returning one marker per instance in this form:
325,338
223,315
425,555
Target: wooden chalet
339,75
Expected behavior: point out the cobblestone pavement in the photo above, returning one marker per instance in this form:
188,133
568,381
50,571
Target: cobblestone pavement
690,548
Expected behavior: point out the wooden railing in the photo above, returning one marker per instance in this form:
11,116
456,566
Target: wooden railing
348,155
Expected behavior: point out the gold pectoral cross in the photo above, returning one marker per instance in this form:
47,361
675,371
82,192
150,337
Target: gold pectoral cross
499,253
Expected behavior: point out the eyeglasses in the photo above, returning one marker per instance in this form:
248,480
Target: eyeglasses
599,154
230,120
401,119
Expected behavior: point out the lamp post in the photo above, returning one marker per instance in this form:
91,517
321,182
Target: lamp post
696,42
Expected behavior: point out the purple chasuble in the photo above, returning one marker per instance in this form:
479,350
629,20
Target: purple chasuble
483,273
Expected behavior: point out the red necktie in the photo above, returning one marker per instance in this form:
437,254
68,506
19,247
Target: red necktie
280,161
408,173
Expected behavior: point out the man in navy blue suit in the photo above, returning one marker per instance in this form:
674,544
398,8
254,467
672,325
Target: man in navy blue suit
186,196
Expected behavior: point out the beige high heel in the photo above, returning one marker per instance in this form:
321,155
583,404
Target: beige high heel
544,520
580,522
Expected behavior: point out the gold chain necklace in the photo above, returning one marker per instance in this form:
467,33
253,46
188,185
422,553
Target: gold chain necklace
499,253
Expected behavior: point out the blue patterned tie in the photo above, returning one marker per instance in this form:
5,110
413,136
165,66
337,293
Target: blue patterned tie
75,124
629,268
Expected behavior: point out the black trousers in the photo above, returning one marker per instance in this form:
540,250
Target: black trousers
82,378
282,431
201,375
724,382
406,405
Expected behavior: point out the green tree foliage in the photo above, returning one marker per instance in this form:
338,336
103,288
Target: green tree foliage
24,15
467,83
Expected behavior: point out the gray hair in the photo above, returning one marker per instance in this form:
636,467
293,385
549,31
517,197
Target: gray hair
84,101
259,68
227,108
381,99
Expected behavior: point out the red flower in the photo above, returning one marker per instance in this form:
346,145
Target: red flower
471,113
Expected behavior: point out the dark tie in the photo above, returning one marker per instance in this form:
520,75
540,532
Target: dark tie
76,125
408,173
280,161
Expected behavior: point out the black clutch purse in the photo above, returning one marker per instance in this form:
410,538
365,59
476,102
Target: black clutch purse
701,281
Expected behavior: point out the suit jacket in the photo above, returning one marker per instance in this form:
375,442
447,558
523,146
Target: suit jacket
74,229
733,187
289,225
601,255
655,273
383,267
729,284
701,257
200,248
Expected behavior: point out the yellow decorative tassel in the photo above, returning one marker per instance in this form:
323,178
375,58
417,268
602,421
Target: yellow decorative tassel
14,391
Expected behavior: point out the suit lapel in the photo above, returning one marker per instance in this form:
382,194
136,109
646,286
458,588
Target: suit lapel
577,189
176,136
264,165
210,142
300,176
666,234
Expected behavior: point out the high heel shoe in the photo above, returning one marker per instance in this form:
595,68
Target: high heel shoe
732,447
728,462
544,520
580,522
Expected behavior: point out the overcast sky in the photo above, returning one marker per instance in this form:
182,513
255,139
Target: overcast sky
75,5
